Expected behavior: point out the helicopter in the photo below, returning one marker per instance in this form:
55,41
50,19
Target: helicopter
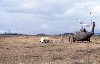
82,35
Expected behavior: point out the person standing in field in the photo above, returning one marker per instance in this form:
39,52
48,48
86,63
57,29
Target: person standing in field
62,40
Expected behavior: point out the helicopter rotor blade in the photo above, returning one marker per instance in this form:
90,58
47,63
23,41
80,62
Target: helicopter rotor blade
81,22
86,25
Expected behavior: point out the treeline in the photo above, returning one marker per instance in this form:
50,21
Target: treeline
17,34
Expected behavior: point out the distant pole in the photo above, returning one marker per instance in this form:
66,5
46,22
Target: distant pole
9,31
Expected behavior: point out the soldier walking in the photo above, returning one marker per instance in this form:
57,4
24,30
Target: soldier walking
62,40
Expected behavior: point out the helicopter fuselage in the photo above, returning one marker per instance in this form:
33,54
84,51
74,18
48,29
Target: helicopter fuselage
83,36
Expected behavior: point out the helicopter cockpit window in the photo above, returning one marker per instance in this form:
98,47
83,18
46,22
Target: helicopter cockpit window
83,30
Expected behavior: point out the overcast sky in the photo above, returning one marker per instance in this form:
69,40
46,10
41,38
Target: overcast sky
47,16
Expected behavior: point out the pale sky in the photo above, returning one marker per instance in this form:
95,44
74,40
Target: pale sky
47,16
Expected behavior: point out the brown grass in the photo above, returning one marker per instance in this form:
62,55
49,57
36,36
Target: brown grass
28,50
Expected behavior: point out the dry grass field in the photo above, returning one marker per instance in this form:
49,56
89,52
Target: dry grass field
28,50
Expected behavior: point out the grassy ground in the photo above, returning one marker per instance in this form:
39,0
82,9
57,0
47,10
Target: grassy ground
28,50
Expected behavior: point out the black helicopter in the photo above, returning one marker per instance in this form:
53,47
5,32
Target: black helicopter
82,35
